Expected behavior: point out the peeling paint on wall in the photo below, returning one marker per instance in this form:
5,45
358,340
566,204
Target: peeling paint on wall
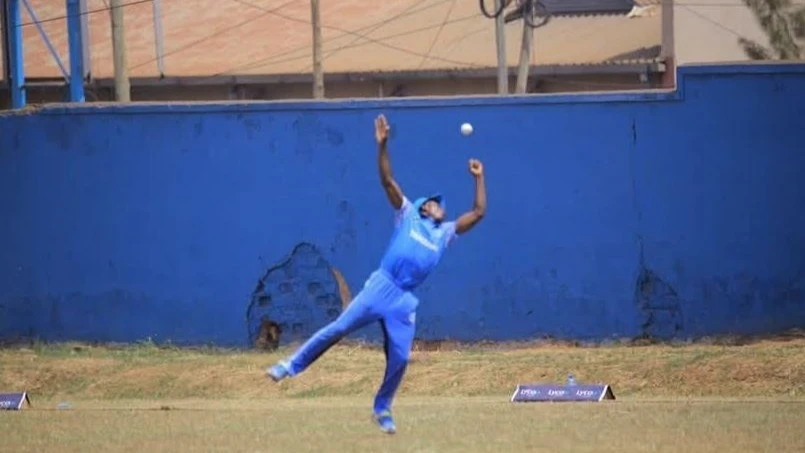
294,298
659,303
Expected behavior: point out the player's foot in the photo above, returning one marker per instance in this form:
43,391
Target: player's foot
385,422
278,372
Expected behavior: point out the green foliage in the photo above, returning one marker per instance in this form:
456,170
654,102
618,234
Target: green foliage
784,25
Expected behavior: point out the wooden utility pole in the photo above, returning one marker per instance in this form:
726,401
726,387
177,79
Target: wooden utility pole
122,86
4,38
668,79
525,56
318,74
500,38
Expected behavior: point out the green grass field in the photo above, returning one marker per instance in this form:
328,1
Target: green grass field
670,398
449,424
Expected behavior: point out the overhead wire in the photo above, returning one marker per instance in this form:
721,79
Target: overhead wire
407,12
713,21
269,61
358,33
438,33
213,35
266,11
378,26
275,59
272,59
689,6
368,38
86,13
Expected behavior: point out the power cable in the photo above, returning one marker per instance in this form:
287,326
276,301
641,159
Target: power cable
271,60
438,32
213,35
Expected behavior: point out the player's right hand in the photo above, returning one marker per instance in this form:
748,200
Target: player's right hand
476,167
381,129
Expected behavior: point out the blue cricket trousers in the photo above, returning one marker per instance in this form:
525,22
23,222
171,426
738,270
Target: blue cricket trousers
379,300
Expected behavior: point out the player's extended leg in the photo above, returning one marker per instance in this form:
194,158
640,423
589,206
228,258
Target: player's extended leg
360,312
398,330
357,314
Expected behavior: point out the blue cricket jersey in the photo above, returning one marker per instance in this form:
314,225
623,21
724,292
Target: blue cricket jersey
416,246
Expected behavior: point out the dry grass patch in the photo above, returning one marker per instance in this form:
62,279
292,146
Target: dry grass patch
769,368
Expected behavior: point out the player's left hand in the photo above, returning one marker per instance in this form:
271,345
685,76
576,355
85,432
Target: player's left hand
476,167
381,129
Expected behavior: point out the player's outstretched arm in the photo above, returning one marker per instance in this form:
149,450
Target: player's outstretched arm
469,219
393,191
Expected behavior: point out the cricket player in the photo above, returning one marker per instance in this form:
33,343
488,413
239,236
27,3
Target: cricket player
420,237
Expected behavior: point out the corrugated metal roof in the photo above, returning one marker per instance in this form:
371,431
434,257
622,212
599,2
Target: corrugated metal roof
217,37
571,7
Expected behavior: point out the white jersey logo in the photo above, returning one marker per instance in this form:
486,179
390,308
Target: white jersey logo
415,235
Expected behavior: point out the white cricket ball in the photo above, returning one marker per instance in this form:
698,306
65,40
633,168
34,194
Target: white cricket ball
466,128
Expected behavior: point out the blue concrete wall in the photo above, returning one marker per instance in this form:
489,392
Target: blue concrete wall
673,214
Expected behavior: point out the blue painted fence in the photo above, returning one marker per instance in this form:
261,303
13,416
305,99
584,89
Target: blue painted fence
669,214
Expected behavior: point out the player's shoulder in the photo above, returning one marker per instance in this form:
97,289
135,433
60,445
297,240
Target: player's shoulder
406,206
449,226
404,211
450,231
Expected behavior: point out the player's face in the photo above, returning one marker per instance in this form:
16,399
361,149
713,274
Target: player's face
433,210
